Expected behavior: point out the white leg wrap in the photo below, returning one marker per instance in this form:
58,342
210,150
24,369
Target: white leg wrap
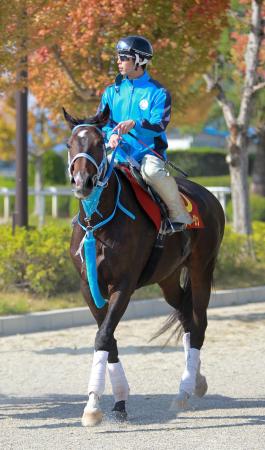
98,371
120,387
192,358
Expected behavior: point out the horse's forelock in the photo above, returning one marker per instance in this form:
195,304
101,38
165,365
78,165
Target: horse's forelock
98,120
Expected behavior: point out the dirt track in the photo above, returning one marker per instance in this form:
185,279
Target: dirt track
43,382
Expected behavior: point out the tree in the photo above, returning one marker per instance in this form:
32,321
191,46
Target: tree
238,121
68,47
44,135
72,45
7,130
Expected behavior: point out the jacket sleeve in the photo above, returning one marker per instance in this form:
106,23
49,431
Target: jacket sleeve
108,128
159,115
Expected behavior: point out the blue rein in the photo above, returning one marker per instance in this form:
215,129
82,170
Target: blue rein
90,205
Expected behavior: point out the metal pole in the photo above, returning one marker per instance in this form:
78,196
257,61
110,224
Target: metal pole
21,208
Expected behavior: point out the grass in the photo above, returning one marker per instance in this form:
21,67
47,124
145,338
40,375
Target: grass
22,303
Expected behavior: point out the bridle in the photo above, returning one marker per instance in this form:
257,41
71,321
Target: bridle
99,179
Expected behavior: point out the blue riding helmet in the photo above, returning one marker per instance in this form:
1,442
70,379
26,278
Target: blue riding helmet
136,46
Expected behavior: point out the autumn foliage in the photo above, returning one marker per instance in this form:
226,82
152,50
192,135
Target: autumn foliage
70,44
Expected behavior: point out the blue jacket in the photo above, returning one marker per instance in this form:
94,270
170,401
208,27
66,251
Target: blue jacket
145,101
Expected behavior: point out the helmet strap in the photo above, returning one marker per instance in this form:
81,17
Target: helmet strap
139,62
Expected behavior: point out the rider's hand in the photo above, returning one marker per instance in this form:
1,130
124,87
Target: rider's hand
114,141
124,127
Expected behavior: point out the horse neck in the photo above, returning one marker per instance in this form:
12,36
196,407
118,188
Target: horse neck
106,204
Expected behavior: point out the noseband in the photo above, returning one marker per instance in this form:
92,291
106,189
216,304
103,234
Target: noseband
100,169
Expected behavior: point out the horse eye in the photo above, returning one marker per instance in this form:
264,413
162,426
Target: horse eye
67,145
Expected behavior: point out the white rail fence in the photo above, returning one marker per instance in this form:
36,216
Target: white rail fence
220,192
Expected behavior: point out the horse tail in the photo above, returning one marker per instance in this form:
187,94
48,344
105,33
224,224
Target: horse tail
182,315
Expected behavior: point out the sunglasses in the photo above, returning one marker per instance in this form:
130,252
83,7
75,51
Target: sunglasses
123,58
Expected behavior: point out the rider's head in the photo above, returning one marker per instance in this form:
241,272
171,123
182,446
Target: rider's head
136,49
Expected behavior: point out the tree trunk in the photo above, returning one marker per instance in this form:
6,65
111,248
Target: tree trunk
238,158
258,178
238,166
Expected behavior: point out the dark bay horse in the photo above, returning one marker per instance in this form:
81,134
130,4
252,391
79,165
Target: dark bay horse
123,249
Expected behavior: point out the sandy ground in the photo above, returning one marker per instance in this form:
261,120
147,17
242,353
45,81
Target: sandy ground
43,382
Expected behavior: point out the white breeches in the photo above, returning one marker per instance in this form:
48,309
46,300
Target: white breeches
192,365
155,174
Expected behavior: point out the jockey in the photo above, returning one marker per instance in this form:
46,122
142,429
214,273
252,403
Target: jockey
141,106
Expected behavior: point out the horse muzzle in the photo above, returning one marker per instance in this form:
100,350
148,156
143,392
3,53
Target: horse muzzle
83,184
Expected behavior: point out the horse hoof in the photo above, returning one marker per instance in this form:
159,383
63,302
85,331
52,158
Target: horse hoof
201,386
182,400
120,416
119,411
91,418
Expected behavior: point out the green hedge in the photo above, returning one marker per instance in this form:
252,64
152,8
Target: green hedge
203,161
200,162
257,208
241,257
37,260
54,169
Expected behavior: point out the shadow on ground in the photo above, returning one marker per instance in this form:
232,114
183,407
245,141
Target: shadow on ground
125,350
66,411
244,317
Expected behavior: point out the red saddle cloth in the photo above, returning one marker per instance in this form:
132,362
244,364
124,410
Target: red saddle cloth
152,209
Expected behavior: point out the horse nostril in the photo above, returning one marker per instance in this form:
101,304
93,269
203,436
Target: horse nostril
89,183
72,180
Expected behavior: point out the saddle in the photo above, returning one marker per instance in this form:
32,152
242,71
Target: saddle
153,205
157,211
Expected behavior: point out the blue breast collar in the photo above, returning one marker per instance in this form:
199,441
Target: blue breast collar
90,205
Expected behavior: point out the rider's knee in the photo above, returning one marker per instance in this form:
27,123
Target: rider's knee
152,168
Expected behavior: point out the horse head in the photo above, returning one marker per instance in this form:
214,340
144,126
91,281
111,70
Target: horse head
87,159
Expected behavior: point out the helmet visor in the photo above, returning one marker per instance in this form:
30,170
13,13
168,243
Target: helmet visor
123,47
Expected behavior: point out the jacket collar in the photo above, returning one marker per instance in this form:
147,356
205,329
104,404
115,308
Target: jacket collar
139,81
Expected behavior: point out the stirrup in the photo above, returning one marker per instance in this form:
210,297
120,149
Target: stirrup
174,227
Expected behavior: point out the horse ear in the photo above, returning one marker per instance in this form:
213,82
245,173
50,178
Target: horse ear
72,122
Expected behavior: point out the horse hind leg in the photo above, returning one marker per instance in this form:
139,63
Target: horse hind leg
201,385
192,381
180,298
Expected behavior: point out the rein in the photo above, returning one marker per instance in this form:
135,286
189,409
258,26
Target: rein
90,206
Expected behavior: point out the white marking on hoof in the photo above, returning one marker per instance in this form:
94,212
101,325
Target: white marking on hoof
182,400
92,413
201,385
91,417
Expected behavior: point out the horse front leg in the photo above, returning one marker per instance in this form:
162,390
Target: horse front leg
119,383
105,351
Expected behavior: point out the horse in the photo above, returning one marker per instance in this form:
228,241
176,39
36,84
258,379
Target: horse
185,279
